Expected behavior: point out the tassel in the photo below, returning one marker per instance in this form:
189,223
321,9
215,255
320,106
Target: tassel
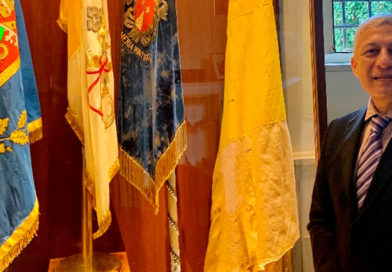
135,174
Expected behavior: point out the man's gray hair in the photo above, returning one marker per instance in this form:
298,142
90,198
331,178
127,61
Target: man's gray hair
374,21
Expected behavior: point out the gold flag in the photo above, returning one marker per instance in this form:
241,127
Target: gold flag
254,217
90,96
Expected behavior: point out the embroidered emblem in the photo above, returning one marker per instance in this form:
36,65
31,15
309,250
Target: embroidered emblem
94,19
18,136
142,18
107,108
9,51
101,66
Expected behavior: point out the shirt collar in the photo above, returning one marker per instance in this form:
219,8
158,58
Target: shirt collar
372,110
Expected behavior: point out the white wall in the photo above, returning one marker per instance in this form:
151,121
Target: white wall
296,72
344,92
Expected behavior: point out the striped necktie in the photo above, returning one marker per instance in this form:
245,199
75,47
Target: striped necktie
370,156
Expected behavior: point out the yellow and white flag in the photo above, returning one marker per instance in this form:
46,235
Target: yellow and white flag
254,218
90,96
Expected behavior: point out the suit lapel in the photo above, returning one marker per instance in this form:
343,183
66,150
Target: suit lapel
349,153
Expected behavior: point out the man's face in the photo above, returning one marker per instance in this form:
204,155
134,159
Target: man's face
372,62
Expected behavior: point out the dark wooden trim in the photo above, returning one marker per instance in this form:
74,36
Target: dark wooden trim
277,13
318,73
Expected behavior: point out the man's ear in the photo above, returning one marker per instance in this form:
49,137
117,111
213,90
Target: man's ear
354,66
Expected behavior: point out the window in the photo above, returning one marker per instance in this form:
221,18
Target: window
347,15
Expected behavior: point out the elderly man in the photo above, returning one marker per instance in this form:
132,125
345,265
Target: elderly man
351,211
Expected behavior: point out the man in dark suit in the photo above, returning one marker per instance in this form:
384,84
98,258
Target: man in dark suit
351,211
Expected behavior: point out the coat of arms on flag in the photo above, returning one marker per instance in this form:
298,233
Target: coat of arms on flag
151,125
20,124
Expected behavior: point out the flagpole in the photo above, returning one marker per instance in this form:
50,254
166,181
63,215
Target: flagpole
173,223
87,232
88,261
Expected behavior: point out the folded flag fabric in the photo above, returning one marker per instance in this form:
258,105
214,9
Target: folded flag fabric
151,125
90,110
19,116
254,210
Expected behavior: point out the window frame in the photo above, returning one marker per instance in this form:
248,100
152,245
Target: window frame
333,61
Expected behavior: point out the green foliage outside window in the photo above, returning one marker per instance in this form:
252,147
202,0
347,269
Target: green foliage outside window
347,15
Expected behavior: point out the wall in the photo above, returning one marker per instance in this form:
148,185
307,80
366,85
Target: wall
344,92
297,77
297,80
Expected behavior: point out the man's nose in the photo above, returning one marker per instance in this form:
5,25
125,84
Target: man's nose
384,59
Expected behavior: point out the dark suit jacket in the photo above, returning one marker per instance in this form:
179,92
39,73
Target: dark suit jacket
344,238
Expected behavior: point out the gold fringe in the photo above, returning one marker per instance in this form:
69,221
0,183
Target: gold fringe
62,24
19,238
35,130
9,71
74,125
88,182
103,226
90,185
133,173
114,170
136,175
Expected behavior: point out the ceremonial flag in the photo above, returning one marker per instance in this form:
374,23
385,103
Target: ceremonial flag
152,131
254,211
19,115
90,110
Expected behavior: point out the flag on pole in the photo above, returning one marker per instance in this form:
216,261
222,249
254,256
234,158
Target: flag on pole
19,115
254,211
90,110
152,131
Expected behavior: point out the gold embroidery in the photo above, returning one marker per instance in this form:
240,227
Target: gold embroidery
18,136
4,51
107,108
10,25
6,7
22,119
2,148
94,18
132,47
3,125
